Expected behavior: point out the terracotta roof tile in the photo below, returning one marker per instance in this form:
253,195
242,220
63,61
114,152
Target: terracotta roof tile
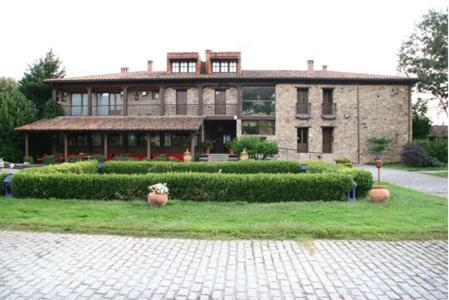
244,74
115,123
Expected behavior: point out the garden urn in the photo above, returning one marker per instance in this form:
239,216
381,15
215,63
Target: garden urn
157,200
379,194
187,156
244,155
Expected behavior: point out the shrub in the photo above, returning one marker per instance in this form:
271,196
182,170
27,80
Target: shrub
240,167
186,186
257,147
377,145
73,158
123,158
84,167
344,161
98,157
49,159
436,148
28,159
415,155
314,166
2,189
364,180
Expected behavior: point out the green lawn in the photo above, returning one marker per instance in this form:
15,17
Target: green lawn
408,215
437,173
402,166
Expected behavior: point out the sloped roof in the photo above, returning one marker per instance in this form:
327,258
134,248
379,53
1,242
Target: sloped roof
244,74
438,131
115,123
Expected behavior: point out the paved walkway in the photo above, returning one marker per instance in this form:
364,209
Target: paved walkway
418,181
66,266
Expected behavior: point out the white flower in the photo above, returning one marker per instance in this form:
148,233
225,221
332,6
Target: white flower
159,188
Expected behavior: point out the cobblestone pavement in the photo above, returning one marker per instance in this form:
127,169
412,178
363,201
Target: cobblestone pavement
414,180
66,266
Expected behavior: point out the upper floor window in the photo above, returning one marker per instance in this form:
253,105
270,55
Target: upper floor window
79,105
224,66
183,67
259,100
109,104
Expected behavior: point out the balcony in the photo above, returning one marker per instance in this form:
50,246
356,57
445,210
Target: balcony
303,110
329,111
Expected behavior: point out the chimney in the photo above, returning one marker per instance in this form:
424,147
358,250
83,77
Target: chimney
324,67
124,69
150,66
310,65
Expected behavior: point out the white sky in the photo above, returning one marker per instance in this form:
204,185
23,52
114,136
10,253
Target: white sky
94,37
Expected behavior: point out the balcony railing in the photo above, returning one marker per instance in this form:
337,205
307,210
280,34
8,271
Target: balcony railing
329,111
303,110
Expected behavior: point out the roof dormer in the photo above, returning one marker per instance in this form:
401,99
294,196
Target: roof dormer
223,62
183,62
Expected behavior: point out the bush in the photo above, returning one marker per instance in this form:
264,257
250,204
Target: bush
436,148
364,180
186,186
73,158
124,158
240,167
28,159
378,145
98,157
49,159
314,166
257,147
2,189
344,161
85,167
415,155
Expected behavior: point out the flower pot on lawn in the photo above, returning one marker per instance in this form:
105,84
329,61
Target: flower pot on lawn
157,200
379,194
244,155
187,156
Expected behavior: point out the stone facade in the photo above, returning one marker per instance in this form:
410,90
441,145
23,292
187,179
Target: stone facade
362,112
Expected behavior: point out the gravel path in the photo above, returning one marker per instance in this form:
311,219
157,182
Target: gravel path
76,266
413,180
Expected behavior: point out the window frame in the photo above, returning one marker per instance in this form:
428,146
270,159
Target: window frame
258,132
257,101
83,107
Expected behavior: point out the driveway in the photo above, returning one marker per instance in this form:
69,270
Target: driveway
413,180
68,266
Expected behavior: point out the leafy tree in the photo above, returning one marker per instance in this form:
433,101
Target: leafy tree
15,110
421,123
32,84
424,54
257,147
7,84
378,145
52,110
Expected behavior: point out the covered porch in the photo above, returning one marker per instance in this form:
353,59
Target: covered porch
133,137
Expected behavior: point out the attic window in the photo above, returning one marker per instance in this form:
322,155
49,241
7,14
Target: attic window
224,66
183,66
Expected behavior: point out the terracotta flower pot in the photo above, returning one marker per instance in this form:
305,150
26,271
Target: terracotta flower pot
244,155
231,152
206,150
157,200
379,194
187,156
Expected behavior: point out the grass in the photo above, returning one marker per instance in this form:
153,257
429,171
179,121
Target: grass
402,166
437,173
408,215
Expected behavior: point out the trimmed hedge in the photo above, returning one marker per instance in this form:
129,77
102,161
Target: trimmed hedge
238,167
186,186
84,167
2,189
363,178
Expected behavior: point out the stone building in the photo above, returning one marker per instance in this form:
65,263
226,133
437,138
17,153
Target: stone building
312,114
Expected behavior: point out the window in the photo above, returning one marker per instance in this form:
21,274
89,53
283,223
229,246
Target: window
220,102
156,140
303,140
107,102
181,102
262,127
327,139
302,101
183,66
115,140
224,66
167,139
258,100
328,102
132,139
154,95
96,139
79,105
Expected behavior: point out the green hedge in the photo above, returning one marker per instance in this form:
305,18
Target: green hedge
186,186
84,167
363,178
2,189
238,167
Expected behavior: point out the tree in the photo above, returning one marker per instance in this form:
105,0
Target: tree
32,84
424,53
15,110
52,110
377,145
421,123
7,84
257,147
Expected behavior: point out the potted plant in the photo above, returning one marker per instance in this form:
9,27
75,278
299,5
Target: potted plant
379,194
207,145
28,160
229,145
244,155
187,156
158,195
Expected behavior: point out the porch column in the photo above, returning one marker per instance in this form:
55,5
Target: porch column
239,100
53,94
66,146
200,100
148,146
125,101
105,145
27,152
89,101
192,145
162,100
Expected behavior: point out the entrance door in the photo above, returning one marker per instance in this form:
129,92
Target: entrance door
327,101
220,132
181,102
327,139
303,140
220,102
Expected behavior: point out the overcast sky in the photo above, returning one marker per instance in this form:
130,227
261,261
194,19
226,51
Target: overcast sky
94,37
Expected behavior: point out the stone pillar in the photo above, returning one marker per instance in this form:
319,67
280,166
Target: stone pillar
200,100
192,145
105,145
162,100
66,147
89,101
125,101
27,152
53,94
239,100
148,146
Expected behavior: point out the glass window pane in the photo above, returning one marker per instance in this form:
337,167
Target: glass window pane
224,66
155,95
96,139
175,67
233,66
76,105
132,139
215,66
258,100
266,127
183,67
192,67
156,140
249,127
102,104
167,139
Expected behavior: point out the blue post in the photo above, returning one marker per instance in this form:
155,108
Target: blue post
352,195
302,168
7,186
